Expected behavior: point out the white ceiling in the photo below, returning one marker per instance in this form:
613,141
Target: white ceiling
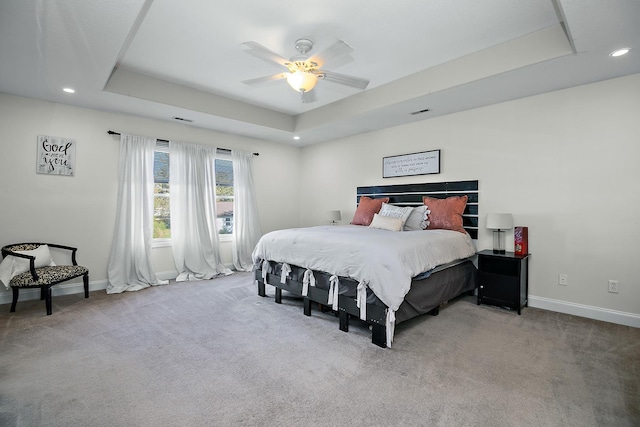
165,59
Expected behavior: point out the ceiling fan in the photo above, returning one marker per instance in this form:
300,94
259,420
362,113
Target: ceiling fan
303,72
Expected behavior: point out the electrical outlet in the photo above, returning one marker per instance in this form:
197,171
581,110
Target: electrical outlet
563,279
613,286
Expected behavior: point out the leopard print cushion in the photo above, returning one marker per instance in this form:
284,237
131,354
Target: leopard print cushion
23,247
48,275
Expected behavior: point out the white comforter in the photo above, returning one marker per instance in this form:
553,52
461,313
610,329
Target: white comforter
384,260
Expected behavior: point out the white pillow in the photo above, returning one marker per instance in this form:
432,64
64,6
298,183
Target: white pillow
43,259
417,219
394,211
386,223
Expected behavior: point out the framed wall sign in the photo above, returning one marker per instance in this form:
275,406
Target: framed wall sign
424,163
56,156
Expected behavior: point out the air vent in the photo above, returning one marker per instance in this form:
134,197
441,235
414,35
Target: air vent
420,111
183,120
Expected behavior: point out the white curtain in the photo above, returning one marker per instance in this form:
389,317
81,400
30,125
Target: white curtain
194,235
130,267
246,224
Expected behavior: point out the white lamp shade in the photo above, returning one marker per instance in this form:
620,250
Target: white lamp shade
335,215
302,81
499,221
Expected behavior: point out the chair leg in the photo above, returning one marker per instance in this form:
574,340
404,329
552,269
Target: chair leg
43,293
15,290
47,298
85,279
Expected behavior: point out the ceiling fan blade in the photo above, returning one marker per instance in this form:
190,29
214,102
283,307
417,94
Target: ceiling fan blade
259,51
344,79
338,53
308,97
265,79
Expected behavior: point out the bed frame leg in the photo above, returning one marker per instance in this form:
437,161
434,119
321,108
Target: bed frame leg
435,311
261,290
307,306
278,295
379,335
344,321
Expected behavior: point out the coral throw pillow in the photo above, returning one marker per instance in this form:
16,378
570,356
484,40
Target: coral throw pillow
366,208
446,213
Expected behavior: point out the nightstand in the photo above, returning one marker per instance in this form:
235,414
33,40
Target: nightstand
503,279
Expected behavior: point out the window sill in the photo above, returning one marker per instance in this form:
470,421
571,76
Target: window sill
161,243
164,243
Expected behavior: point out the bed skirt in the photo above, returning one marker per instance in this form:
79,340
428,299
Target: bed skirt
425,296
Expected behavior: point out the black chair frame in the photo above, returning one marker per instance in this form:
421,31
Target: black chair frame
45,288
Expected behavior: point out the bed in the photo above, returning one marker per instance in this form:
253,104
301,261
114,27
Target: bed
371,272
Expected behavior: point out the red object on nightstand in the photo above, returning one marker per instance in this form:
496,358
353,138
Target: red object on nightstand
521,240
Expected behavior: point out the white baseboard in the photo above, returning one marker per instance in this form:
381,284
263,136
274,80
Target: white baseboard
590,312
69,288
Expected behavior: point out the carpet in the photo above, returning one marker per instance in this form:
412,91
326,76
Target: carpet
214,353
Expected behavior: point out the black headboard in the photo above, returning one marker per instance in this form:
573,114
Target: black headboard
411,195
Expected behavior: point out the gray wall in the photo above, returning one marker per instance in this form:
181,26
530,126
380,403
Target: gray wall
80,210
565,164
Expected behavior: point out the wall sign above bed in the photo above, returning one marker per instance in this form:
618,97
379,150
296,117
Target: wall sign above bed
424,163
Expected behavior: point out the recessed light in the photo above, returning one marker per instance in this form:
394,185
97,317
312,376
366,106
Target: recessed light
620,52
296,137
69,90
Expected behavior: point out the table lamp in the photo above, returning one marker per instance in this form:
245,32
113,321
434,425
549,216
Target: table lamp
498,222
334,217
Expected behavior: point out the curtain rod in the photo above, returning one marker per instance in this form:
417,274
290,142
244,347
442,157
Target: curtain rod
110,132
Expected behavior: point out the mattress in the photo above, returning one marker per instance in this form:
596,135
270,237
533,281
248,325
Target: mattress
382,261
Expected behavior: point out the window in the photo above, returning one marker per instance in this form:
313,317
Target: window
162,199
224,195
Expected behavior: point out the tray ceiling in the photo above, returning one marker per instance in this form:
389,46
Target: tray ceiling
162,59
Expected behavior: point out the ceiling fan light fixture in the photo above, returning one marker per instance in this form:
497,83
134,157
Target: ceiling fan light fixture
302,81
